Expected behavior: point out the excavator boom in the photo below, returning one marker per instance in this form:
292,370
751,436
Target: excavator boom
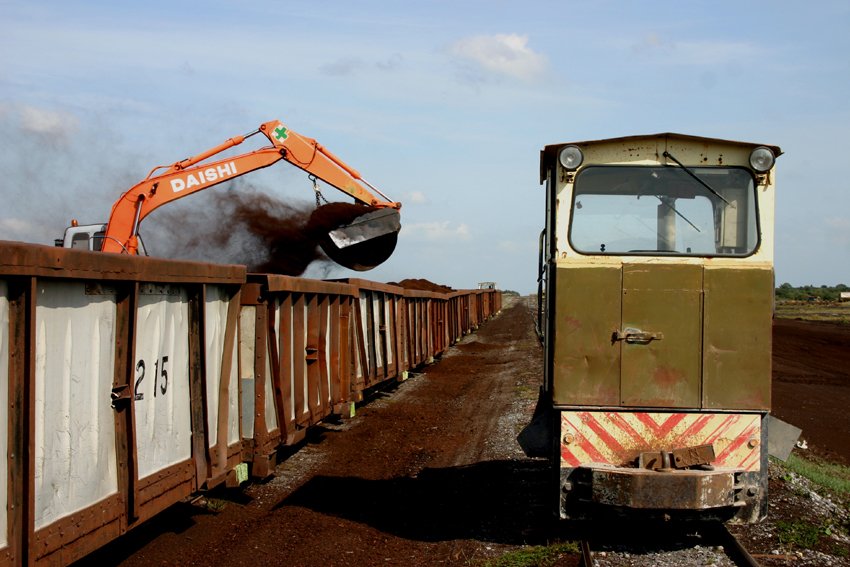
169,183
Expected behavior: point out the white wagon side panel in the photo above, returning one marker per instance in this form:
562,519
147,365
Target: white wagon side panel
217,302
163,418
75,459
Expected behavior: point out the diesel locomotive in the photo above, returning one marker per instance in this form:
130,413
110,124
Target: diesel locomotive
655,311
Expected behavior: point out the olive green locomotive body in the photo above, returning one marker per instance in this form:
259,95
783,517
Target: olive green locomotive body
656,311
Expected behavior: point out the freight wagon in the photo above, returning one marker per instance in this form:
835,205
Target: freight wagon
656,292
131,383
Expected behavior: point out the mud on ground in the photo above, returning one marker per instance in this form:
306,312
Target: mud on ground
811,384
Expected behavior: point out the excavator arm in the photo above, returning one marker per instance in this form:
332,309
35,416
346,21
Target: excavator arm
190,176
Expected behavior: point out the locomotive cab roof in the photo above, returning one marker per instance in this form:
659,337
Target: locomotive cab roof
550,152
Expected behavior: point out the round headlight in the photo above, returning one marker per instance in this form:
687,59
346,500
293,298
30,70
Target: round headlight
762,159
571,157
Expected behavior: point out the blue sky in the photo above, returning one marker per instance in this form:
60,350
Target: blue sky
442,105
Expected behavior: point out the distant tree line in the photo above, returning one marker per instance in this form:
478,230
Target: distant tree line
787,291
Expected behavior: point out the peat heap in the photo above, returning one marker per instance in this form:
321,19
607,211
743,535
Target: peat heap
423,285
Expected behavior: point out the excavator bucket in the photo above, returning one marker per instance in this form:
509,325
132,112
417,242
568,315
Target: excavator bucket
355,236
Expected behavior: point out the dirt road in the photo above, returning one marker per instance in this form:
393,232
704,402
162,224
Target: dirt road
429,473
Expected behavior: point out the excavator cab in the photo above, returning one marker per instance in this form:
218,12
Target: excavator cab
88,237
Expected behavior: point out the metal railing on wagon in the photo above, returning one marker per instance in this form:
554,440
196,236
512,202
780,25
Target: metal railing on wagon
311,348
379,350
470,308
297,348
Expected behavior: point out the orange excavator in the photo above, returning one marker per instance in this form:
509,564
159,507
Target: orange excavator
360,240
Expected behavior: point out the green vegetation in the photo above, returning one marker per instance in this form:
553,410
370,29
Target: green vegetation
534,556
800,533
831,312
787,292
810,303
831,476
215,504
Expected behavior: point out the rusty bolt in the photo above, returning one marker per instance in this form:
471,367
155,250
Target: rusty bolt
751,491
569,438
753,443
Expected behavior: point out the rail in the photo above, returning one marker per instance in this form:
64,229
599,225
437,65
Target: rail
707,543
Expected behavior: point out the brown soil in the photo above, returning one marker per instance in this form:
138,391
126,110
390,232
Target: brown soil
266,233
423,285
811,384
429,471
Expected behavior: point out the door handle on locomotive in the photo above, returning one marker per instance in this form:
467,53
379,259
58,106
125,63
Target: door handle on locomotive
635,336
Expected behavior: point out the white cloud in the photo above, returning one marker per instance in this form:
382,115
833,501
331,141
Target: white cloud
697,52
436,231
838,230
14,225
15,228
350,66
501,54
41,121
418,197
391,63
342,67
838,223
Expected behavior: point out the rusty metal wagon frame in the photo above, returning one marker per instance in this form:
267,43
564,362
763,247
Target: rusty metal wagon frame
133,383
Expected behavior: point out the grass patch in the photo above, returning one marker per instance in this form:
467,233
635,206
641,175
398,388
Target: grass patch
216,505
535,556
828,475
816,311
800,533
526,392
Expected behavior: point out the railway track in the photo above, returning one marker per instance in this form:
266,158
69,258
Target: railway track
701,544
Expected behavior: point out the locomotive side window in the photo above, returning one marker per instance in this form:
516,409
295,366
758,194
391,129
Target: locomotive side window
663,210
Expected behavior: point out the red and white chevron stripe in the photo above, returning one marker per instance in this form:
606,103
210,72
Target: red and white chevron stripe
617,438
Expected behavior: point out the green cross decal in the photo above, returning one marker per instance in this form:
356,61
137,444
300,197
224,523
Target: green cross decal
280,133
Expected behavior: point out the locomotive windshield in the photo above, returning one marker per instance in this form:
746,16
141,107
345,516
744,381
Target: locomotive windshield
664,210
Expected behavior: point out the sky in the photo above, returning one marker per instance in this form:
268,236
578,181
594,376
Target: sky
442,105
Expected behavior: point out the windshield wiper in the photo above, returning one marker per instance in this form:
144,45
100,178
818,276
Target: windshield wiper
694,175
672,208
